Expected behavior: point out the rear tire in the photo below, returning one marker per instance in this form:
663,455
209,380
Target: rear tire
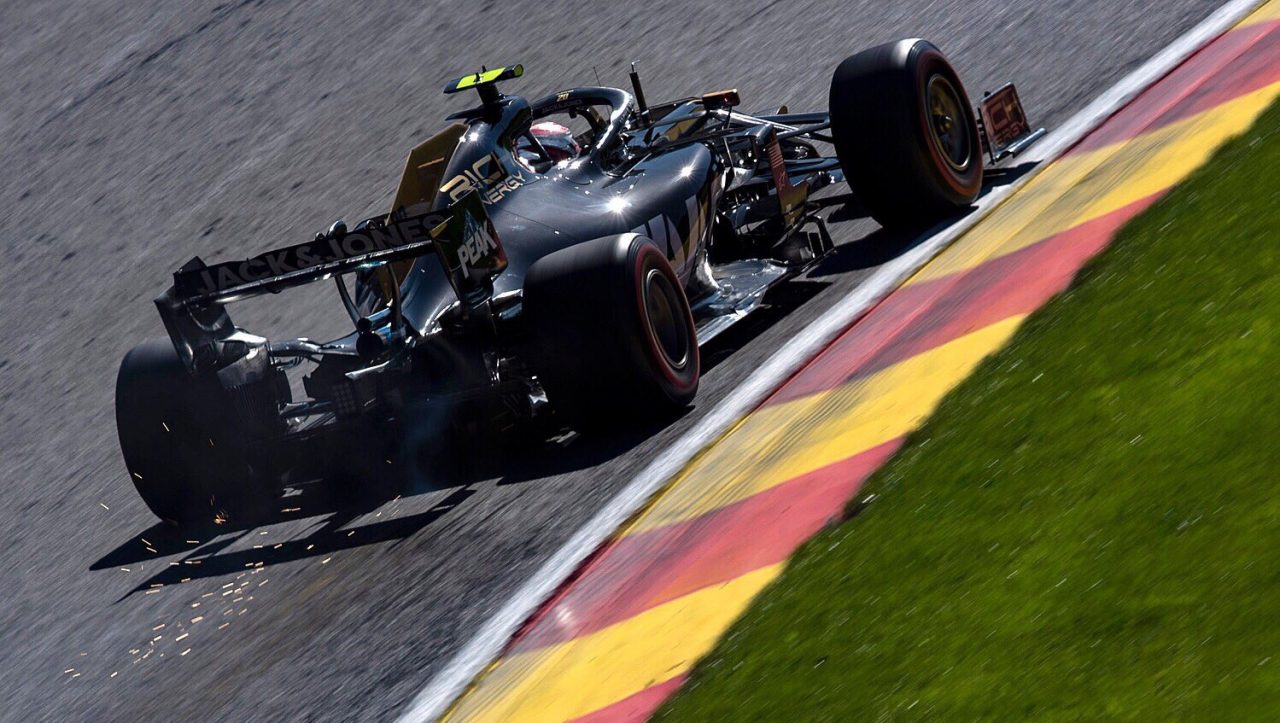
905,133
181,441
611,329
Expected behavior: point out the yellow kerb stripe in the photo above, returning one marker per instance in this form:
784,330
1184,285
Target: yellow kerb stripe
583,675
1267,13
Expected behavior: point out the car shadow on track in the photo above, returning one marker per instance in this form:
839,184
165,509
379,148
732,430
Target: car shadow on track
868,252
201,560
778,304
576,452
343,518
884,245
348,519
1004,175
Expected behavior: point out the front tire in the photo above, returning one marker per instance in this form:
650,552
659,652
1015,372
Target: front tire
182,443
905,133
611,329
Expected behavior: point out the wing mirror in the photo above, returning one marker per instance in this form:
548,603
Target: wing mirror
721,99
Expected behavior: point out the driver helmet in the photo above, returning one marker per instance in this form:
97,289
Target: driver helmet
557,140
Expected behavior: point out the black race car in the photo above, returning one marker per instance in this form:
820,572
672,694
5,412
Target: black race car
557,260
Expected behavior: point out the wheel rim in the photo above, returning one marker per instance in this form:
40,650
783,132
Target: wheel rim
666,323
947,123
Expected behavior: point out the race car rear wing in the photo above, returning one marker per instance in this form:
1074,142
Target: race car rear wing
337,251
194,312
193,308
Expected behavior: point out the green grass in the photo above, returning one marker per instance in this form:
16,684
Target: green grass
1087,529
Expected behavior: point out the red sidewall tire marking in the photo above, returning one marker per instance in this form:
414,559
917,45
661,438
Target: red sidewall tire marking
656,357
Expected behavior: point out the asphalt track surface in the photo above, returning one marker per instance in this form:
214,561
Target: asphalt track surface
136,134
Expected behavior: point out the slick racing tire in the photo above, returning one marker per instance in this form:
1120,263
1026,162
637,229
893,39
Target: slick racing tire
905,133
611,329
182,443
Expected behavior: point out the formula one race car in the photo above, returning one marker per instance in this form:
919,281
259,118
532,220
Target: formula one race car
558,259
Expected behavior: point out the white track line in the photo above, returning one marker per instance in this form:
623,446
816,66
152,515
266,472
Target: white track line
487,644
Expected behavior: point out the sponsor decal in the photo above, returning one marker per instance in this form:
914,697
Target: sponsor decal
469,250
1002,116
564,102
487,177
375,239
791,199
